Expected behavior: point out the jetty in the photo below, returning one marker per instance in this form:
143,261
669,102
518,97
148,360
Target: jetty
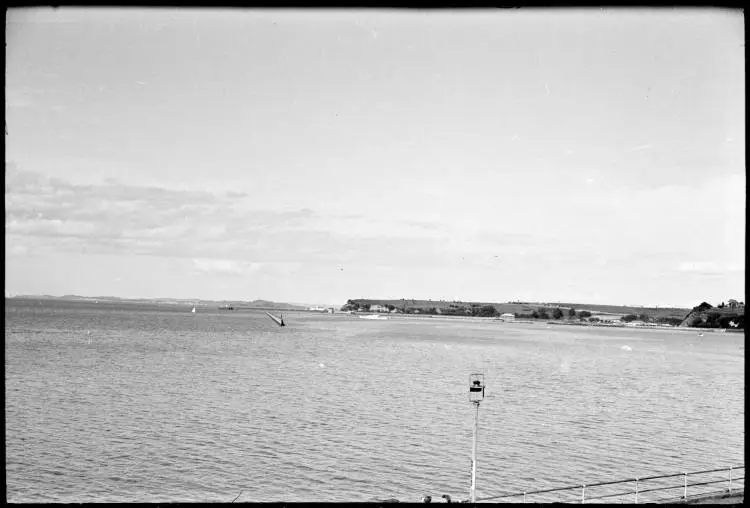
722,486
278,320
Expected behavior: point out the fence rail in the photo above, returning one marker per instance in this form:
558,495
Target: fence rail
703,481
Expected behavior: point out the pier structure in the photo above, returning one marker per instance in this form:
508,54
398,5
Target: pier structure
723,485
278,320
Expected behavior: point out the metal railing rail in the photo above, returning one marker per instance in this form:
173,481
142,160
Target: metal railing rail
636,490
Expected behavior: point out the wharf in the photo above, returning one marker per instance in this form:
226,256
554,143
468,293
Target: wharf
712,486
733,498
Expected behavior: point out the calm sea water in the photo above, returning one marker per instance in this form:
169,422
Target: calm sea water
145,403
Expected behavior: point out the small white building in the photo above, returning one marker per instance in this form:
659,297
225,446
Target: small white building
636,322
378,308
508,317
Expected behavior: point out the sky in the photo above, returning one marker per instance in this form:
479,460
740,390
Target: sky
587,156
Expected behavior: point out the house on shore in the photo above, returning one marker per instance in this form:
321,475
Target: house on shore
608,319
637,322
508,317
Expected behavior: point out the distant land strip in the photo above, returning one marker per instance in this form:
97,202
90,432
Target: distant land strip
235,304
729,315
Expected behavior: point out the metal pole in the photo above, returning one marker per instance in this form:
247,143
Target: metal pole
636,490
730,479
524,497
684,494
583,494
472,492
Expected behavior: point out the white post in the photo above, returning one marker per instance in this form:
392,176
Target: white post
636,490
524,497
730,479
583,494
472,492
684,494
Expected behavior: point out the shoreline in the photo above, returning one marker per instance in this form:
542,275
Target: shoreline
676,328
427,317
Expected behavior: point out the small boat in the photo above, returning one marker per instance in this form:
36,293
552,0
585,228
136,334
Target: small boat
374,316
278,320
193,311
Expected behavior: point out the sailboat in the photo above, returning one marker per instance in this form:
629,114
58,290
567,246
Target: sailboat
193,311
278,320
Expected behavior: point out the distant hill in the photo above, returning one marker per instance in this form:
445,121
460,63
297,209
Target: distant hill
265,304
238,304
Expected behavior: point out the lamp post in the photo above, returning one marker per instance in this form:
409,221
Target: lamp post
476,395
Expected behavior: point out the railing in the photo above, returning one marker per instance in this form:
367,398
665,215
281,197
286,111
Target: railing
647,489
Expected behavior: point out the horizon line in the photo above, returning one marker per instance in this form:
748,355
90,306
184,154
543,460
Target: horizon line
547,302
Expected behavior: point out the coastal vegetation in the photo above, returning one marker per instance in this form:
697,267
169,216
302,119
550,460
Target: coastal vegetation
520,310
725,315
429,307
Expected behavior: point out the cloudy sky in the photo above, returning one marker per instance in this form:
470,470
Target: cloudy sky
587,156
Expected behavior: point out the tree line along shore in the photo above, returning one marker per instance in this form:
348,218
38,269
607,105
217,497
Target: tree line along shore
724,315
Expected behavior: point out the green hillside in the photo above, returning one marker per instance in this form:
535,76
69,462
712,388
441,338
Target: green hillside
723,316
520,309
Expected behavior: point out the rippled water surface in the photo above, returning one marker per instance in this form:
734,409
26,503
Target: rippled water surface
144,403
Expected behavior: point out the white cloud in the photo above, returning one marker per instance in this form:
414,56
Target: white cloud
639,148
49,227
117,218
708,267
282,269
225,266
698,266
17,250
